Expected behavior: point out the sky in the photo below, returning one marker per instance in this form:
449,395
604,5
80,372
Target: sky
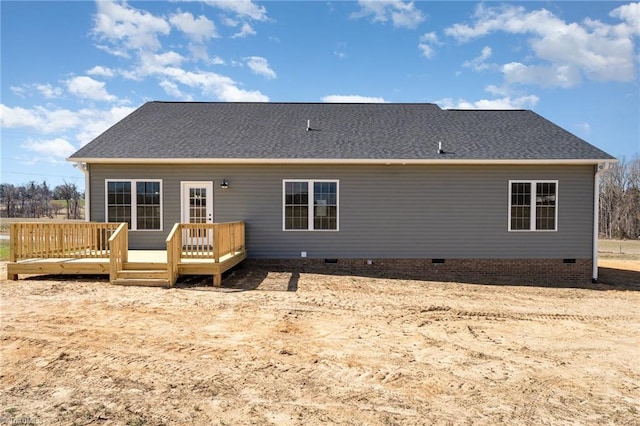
71,69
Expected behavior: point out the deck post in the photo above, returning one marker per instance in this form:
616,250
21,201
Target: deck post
216,242
217,278
13,241
174,252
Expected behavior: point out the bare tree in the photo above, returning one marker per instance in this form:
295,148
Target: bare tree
620,200
9,198
70,194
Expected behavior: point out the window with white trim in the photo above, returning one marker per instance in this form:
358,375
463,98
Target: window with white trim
310,205
533,205
137,202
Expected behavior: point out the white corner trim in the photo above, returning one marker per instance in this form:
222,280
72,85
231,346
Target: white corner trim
600,168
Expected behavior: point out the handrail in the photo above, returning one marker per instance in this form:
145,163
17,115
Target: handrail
174,245
119,250
46,240
211,240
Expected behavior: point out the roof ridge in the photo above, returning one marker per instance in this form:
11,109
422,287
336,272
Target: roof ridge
292,103
484,110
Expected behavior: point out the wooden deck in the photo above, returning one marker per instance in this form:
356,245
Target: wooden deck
49,250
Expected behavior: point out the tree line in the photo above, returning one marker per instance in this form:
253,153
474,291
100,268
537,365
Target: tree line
620,200
35,200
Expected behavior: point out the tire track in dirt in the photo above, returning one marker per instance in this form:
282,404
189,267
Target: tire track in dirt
448,313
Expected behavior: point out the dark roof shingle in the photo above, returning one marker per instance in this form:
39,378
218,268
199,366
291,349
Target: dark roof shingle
187,130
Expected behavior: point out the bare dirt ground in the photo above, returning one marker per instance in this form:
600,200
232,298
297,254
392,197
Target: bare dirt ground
287,348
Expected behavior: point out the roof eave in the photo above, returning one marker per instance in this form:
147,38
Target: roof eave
394,161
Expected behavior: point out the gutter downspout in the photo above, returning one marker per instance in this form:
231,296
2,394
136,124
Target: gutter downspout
600,167
87,198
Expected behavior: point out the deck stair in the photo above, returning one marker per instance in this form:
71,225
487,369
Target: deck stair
144,274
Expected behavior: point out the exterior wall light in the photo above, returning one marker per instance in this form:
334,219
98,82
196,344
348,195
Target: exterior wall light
224,184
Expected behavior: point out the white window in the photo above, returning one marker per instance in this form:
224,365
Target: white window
137,202
533,205
310,205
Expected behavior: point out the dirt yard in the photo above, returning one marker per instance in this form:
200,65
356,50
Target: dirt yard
286,348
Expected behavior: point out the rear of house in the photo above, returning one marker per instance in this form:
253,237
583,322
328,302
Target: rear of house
360,187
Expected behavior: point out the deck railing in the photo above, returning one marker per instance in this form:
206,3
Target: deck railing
228,239
203,241
174,243
119,246
211,240
60,240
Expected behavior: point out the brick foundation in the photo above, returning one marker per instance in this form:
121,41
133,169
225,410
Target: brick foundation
489,271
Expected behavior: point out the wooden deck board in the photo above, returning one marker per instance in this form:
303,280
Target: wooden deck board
137,259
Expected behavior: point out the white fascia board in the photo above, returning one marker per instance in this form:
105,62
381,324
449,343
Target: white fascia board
430,161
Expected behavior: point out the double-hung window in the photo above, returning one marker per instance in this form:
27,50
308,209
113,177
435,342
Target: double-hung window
137,202
310,205
533,205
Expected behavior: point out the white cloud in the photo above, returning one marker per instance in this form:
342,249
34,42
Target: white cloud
131,32
479,63
260,66
39,118
119,52
86,123
400,13
245,30
172,89
199,29
340,51
511,19
57,148
585,127
599,51
129,27
545,76
88,88
19,90
95,121
199,52
153,63
230,22
101,71
48,91
497,91
630,13
523,102
223,88
353,99
429,38
246,9
427,41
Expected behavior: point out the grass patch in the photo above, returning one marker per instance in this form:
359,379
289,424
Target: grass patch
4,250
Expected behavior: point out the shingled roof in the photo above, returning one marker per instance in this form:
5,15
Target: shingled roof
214,131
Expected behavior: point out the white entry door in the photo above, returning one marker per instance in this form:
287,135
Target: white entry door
197,207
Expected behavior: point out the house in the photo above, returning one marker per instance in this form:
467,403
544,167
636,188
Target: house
442,193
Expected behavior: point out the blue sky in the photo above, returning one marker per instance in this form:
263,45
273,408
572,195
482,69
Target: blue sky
71,69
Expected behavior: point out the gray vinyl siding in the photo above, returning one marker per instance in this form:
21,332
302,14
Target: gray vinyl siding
384,211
